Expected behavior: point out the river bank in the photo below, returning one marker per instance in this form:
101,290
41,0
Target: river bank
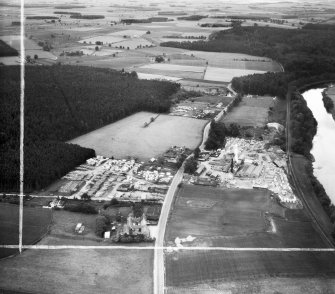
323,142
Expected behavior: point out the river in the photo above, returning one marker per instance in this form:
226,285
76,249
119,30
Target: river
323,143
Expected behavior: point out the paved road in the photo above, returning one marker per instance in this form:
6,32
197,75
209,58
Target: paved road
159,269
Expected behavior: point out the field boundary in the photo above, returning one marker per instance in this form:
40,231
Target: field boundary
123,247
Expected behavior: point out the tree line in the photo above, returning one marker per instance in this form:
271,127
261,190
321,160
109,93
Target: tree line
61,103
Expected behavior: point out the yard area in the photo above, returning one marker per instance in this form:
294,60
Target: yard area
251,111
129,137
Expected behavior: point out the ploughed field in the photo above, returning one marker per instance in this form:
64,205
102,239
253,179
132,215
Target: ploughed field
35,226
239,218
129,137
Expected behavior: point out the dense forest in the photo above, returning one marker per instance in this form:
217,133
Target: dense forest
63,102
6,50
303,125
297,50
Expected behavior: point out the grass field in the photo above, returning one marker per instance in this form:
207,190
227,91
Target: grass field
35,225
78,271
239,218
250,112
278,285
174,67
189,269
128,137
227,74
146,76
236,61
174,73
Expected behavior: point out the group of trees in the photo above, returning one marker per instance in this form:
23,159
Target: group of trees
61,103
216,137
328,102
303,125
86,16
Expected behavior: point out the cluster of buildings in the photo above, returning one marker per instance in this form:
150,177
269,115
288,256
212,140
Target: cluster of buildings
102,178
246,164
197,110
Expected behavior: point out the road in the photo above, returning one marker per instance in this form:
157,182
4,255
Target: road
159,269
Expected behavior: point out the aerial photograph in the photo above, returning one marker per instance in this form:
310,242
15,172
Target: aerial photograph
153,147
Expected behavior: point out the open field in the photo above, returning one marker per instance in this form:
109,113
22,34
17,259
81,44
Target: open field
36,223
250,112
262,285
129,137
31,48
174,73
173,67
78,271
146,76
236,61
238,218
189,270
227,74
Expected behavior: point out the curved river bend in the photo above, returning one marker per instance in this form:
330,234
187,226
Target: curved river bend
323,143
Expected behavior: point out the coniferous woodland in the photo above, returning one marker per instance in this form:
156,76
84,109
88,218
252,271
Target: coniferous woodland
61,103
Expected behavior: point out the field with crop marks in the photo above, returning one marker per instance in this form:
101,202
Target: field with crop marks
239,218
250,112
129,137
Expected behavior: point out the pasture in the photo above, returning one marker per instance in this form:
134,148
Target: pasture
78,271
250,112
129,137
36,223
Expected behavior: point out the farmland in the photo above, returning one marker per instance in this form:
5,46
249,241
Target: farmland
252,111
240,218
79,271
129,137
245,272
36,223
